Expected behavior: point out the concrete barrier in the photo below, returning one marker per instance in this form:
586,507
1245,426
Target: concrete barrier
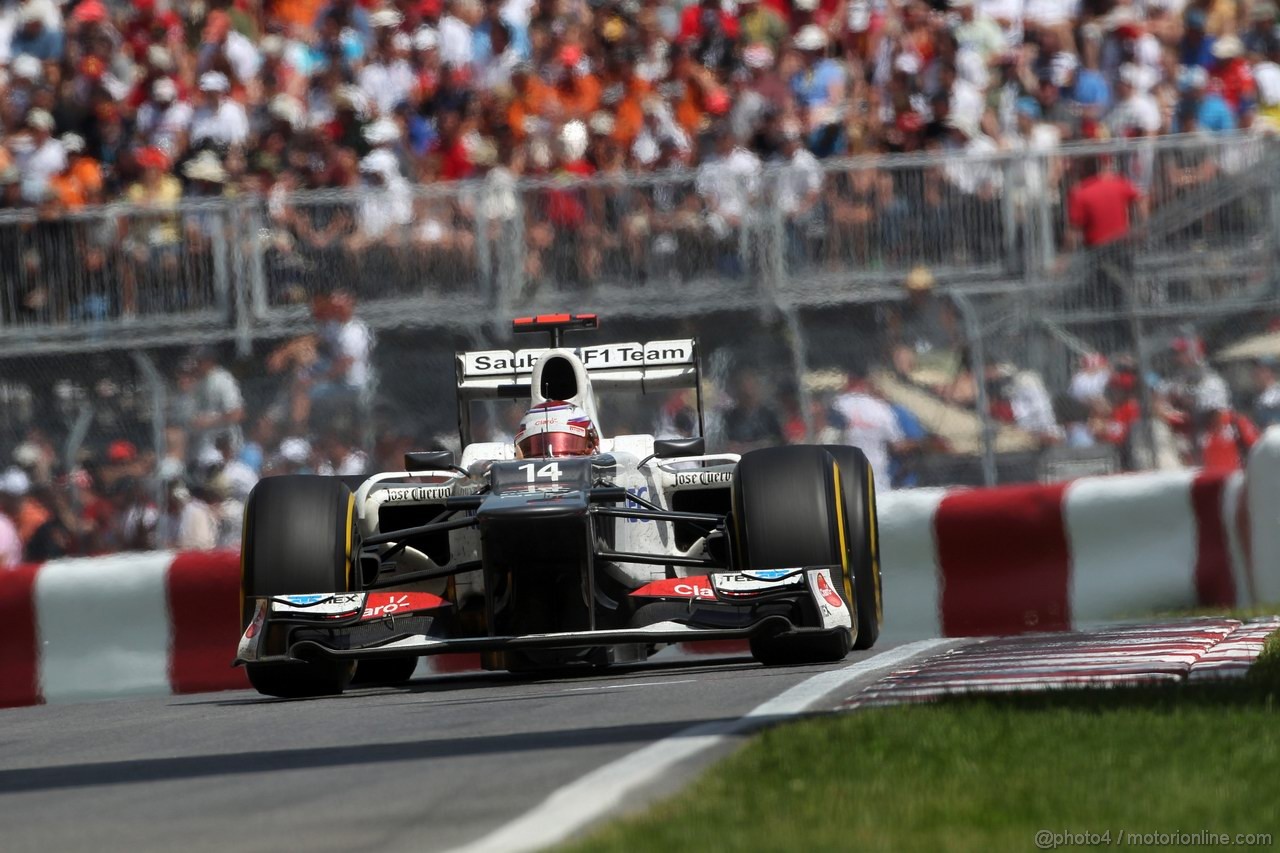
977,562
963,562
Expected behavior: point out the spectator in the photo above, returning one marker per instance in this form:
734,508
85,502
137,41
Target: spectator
1266,402
798,193
923,332
750,422
13,488
819,87
219,406
1101,207
870,423
163,121
218,120
189,523
80,182
42,157
33,35
1091,380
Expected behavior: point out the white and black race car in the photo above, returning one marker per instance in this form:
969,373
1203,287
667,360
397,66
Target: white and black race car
549,562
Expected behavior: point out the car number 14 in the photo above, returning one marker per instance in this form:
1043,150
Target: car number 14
550,471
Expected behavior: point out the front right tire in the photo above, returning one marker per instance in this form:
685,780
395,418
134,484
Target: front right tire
788,511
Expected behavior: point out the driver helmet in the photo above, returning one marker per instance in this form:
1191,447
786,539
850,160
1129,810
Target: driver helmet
556,428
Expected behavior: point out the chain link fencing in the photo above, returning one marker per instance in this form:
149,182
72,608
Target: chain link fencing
939,306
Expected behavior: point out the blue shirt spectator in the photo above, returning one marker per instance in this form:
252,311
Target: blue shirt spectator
1092,90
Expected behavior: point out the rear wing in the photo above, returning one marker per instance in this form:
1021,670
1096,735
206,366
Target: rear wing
644,367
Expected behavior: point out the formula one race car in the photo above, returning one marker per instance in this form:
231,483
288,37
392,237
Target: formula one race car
562,547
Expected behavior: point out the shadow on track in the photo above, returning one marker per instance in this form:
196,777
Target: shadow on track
21,780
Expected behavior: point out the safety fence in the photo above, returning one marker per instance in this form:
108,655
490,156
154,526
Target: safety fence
793,276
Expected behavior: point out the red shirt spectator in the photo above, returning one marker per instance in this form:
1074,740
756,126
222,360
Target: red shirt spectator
1225,442
1099,207
691,29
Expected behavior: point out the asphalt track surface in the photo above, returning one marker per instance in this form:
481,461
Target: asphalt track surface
433,765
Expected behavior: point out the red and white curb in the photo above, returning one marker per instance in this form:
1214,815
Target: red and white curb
1131,655
1233,656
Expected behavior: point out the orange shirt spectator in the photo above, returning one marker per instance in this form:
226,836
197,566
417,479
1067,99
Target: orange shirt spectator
81,182
533,99
298,13
577,94
31,517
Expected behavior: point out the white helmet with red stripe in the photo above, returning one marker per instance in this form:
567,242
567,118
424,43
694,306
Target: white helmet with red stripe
556,428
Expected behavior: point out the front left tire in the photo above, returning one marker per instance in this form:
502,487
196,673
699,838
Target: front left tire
299,537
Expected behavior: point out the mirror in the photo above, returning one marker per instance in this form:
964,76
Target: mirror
428,460
668,448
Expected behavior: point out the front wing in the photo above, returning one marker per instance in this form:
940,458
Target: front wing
731,606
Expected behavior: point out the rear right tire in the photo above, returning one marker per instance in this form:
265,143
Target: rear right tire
299,537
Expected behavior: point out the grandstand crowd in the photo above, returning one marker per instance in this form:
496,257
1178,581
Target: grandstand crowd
150,100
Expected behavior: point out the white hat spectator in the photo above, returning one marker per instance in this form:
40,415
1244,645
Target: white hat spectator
601,123
27,455
806,5
27,67
214,81
29,13
72,143
811,37
908,63
425,38
39,119
288,109
208,455
170,469
206,166
380,162
384,18
402,42
1228,47
384,131
297,450
164,90
14,481
758,56
272,46
960,4
573,137
159,57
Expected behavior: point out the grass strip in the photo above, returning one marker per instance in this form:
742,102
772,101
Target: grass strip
988,774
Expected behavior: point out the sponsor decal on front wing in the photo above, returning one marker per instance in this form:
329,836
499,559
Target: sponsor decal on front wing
332,605
248,647
692,588
758,581
831,607
380,605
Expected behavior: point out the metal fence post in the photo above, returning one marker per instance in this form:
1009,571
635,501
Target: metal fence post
240,236
978,367
159,396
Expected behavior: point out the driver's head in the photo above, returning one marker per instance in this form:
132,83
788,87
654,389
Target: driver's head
556,428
